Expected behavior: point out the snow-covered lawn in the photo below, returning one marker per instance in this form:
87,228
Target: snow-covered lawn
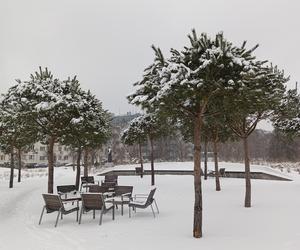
272,223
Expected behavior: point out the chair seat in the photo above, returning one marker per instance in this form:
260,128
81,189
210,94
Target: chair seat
71,210
136,202
119,200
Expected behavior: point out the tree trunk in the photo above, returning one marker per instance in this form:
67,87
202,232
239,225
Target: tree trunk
217,174
85,162
205,158
141,160
197,229
152,162
12,165
20,165
247,174
50,164
78,168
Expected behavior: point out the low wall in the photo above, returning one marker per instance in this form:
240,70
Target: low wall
228,174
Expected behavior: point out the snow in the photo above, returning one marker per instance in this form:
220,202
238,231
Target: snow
272,222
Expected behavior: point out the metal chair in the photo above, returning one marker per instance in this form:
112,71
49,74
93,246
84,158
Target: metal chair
53,203
122,195
86,180
146,201
95,201
64,190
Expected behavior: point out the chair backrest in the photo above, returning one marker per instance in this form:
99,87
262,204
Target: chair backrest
109,185
111,178
87,179
92,201
66,188
119,190
222,171
150,197
97,189
52,202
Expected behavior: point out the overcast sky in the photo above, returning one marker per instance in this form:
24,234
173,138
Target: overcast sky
107,43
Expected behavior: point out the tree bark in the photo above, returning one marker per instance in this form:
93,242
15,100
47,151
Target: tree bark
152,162
78,168
51,141
12,165
205,158
247,173
197,229
141,160
85,162
217,174
20,165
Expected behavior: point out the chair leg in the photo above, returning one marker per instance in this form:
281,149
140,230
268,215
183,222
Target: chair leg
41,215
94,214
101,214
113,213
122,209
57,218
129,211
156,206
152,210
81,211
77,216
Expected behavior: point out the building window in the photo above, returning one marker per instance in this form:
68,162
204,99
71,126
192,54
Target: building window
2,157
66,148
42,148
59,157
42,158
31,157
59,148
66,157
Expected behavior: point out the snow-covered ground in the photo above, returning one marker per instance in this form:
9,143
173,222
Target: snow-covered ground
272,223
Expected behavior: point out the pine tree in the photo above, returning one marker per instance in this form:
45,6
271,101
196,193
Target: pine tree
251,99
17,133
135,134
183,85
51,104
90,129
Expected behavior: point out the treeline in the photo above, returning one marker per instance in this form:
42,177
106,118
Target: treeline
263,146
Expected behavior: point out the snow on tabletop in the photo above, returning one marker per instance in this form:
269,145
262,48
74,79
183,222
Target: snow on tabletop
272,222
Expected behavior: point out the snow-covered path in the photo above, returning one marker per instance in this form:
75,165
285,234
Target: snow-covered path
272,223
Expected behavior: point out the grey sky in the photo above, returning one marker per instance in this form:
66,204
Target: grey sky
107,43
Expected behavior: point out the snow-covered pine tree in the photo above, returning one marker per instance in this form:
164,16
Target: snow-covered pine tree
17,133
286,119
90,129
151,126
249,100
135,134
216,130
51,104
183,86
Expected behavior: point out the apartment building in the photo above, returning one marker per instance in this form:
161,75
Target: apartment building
38,155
